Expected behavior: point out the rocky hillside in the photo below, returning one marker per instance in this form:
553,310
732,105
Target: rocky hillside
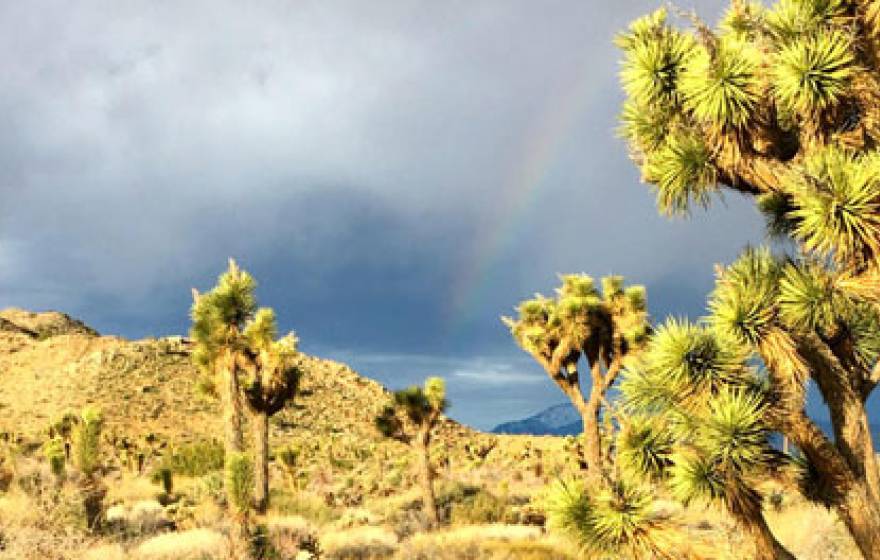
51,364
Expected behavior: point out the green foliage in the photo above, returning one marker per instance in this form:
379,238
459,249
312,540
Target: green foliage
421,406
743,304
683,172
722,87
53,450
808,300
239,481
195,459
655,57
837,203
221,313
792,19
645,446
813,73
613,520
87,441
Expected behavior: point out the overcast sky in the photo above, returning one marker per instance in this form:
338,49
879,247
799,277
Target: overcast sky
396,175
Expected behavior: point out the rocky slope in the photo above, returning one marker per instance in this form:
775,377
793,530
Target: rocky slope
51,364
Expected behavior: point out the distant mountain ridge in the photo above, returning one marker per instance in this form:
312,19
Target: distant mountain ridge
563,420
558,420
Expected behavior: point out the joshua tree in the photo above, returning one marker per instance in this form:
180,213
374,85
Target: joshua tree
782,104
87,459
604,328
219,319
410,418
698,425
271,381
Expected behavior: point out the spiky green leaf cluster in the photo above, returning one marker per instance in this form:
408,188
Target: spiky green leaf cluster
836,196
645,446
813,73
655,57
792,19
219,316
687,362
682,171
721,87
615,519
743,304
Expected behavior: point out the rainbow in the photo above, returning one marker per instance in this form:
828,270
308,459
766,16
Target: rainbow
539,153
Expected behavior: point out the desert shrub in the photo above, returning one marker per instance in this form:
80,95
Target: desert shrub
302,504
211,486
197,544
287,537
363,543
467,504
239,480
54,453
482,507
196,459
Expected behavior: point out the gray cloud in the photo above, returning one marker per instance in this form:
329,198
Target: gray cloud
374,164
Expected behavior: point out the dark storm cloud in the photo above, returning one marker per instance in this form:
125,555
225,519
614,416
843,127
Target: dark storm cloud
353,155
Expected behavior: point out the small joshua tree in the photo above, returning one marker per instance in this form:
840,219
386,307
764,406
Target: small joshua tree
270,382
410,418
87,459
239,483
53,450
604,328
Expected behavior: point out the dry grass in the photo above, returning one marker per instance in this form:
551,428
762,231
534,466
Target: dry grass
812,532
195,544
360,542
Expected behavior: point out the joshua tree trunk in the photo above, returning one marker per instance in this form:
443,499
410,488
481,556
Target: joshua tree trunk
861,515
766,545
589,412
261,462
426,478
232,406
239,537
852,498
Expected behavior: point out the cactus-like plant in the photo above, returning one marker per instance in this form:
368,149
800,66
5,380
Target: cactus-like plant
604,328
239,483
796,129
87,441
270,382
410,417
53,450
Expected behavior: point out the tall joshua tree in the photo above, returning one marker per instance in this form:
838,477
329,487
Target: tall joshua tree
271,381
219,320
782,104
410,418
605,329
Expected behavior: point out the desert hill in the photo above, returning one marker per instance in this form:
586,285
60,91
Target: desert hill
51,364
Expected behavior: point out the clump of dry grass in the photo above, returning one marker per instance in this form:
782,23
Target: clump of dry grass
812,532
195,544
501,542
359,543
